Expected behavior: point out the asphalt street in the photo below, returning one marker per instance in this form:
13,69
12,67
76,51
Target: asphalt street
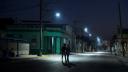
80,62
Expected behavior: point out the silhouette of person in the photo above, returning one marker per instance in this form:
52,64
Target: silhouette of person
123,48
63,51
67,53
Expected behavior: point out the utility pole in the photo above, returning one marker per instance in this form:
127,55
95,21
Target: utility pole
41,9
120,29
41,38
120,20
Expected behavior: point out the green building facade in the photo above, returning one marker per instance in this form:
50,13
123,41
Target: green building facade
54,36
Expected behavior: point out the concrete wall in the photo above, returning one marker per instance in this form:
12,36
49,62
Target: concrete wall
22,48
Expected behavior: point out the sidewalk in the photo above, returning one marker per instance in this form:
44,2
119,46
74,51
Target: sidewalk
44,56
57,55
24,57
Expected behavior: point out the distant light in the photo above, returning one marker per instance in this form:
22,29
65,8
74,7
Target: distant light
57,15
98,39
86,30
90,35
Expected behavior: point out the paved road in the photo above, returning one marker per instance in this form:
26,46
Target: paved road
91,62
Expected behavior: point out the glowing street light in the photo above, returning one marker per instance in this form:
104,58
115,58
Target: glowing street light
86,30
90,34
98,41
57,15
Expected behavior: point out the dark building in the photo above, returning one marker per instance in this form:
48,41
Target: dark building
120,44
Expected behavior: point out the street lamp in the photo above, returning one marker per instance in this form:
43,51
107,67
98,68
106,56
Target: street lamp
57,15
98,41
86,29
90,34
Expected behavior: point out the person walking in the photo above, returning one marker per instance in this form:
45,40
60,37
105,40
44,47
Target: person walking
63,52
67,53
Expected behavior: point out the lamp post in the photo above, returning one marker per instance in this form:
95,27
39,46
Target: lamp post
121,29
90,35
41,38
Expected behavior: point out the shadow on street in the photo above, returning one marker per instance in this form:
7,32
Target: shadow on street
69,65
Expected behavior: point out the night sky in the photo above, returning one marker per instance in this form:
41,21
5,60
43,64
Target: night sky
100,16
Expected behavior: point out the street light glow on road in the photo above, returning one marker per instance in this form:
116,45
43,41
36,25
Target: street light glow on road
57,58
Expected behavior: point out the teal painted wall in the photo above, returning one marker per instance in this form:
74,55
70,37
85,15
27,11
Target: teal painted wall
47,46
58,45
48,33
